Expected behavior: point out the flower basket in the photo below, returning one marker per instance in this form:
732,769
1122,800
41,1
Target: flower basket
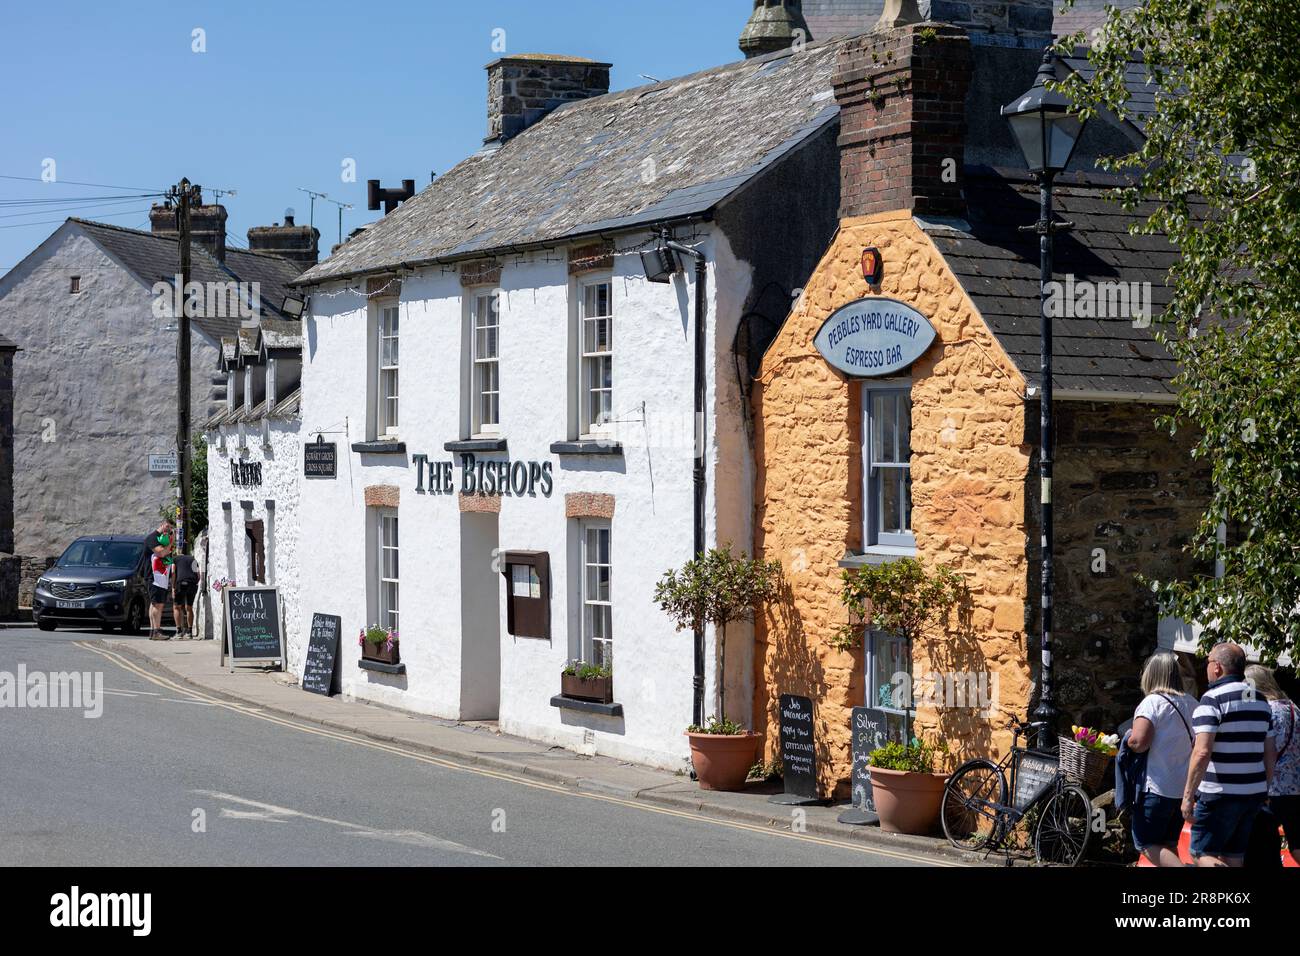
387,651
1081,764
597,689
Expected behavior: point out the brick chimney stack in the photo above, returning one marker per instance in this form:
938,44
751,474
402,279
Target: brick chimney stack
207,226
300,244
902,96
523,89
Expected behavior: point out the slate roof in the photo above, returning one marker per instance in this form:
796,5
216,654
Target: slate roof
667,151
998,267
153,258
832,18
285,410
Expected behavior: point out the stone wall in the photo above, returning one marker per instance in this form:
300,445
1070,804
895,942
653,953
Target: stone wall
6,448
10,578
32,568
94,395
970,462
1127,498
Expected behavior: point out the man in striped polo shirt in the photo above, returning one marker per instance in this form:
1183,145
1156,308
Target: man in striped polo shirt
1227,779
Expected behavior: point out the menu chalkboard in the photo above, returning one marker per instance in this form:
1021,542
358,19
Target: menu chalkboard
870,729
254,629
322,653
798,753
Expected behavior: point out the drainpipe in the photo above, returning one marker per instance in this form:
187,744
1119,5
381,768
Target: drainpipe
701,309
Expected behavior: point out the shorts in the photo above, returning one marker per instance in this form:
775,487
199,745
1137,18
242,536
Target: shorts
1157,821
1221,823
157,595
186,592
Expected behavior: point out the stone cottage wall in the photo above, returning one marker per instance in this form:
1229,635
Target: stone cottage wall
1127,499
969,466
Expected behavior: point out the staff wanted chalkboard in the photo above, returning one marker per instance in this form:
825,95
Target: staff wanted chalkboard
798,751
253,625
322,654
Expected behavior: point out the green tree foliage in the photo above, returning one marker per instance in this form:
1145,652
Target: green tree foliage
717,588
899,597
1221,166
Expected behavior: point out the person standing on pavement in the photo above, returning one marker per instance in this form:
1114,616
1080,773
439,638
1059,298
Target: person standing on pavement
160,584
1284,789
1162,729
202,605
185,588
1228,776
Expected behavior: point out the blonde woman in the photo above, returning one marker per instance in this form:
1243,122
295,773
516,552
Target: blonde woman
1284,788
1162,729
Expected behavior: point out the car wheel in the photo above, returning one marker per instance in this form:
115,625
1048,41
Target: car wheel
46,625
132,623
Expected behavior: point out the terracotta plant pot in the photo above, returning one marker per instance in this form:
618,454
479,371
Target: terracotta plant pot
376,652
722,761
598,689
907,802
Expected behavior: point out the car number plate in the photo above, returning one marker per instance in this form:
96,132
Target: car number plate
69,604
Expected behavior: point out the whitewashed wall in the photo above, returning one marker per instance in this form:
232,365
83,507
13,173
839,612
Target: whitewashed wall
651,483
281,462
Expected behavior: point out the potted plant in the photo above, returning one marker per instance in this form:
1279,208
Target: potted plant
907,791
722,753
583,681
718,588
380,644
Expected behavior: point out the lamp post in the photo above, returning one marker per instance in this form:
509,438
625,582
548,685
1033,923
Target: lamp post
1047,134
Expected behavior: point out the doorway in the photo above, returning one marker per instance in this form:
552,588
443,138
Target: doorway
480,617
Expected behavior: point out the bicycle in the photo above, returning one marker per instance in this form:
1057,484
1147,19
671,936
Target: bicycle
977,815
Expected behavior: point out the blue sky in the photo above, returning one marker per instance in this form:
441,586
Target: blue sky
286,90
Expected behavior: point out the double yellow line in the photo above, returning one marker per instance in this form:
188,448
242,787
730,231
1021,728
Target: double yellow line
251,711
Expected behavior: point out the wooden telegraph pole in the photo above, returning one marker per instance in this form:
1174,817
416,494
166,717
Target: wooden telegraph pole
184,194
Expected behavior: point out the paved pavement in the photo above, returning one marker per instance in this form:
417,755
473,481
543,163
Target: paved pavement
191,765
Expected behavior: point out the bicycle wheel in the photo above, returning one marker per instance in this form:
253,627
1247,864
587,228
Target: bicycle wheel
972,799
1064,827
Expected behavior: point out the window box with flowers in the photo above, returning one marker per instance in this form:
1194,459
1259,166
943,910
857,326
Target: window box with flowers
380,644
582,681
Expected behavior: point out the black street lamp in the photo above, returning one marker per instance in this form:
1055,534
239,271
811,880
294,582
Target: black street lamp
1047,133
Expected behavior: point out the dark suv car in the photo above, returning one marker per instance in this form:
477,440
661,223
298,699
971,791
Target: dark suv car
100,579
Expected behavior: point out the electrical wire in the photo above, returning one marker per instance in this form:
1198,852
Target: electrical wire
73,208
73,182
46,222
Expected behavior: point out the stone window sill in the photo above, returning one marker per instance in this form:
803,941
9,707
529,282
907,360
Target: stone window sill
586,706
383,668
380,447
587,446
876,554
476,445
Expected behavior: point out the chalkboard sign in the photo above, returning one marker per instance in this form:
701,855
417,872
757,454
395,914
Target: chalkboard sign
870,729
320,459
798,754
1034,772
322,653
254,628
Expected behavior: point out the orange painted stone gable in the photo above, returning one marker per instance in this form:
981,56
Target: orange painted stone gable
969,466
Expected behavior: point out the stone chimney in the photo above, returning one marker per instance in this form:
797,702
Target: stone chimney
774,25
523,89
902,96
300,244
207,226
1013,23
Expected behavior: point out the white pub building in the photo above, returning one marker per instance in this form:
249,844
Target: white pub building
508,365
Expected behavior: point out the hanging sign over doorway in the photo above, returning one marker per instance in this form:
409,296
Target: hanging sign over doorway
874,337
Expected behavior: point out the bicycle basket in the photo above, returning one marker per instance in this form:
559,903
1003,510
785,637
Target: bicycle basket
1080,765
